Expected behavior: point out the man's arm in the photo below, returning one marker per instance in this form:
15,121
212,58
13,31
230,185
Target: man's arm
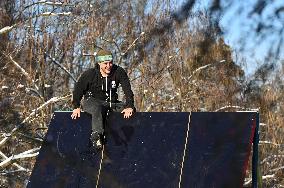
80,89
126,87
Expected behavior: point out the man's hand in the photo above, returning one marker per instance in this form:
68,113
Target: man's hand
76,113
127,112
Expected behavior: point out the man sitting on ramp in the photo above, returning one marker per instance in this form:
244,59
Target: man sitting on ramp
99,86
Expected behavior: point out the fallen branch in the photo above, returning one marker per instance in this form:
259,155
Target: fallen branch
262,124
268,142
32,138
248,182
276,169
271,157
15,164
34,112
13,171
25,154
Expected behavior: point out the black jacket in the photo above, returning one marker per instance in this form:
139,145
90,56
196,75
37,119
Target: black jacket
92,83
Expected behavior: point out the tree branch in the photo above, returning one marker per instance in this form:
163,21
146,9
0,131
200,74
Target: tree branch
55,14
61,66
7,29
48,3
133,43
203,67
52,100
237,107
112,41
24,72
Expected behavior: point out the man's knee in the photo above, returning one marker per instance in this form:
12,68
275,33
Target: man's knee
91,106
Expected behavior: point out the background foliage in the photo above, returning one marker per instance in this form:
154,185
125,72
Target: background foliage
176,57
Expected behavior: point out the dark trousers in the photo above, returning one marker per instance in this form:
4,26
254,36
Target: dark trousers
98,109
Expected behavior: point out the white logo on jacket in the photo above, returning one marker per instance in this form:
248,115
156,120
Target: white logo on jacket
113,84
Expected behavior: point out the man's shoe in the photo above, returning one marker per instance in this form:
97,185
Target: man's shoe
96,140
99,144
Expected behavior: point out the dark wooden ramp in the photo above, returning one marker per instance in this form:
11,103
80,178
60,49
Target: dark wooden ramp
147,150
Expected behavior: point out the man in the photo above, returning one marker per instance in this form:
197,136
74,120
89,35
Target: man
99,87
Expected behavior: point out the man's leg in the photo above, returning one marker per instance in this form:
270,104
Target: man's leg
96,109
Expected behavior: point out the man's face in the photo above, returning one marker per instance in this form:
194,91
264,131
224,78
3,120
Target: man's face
106,66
